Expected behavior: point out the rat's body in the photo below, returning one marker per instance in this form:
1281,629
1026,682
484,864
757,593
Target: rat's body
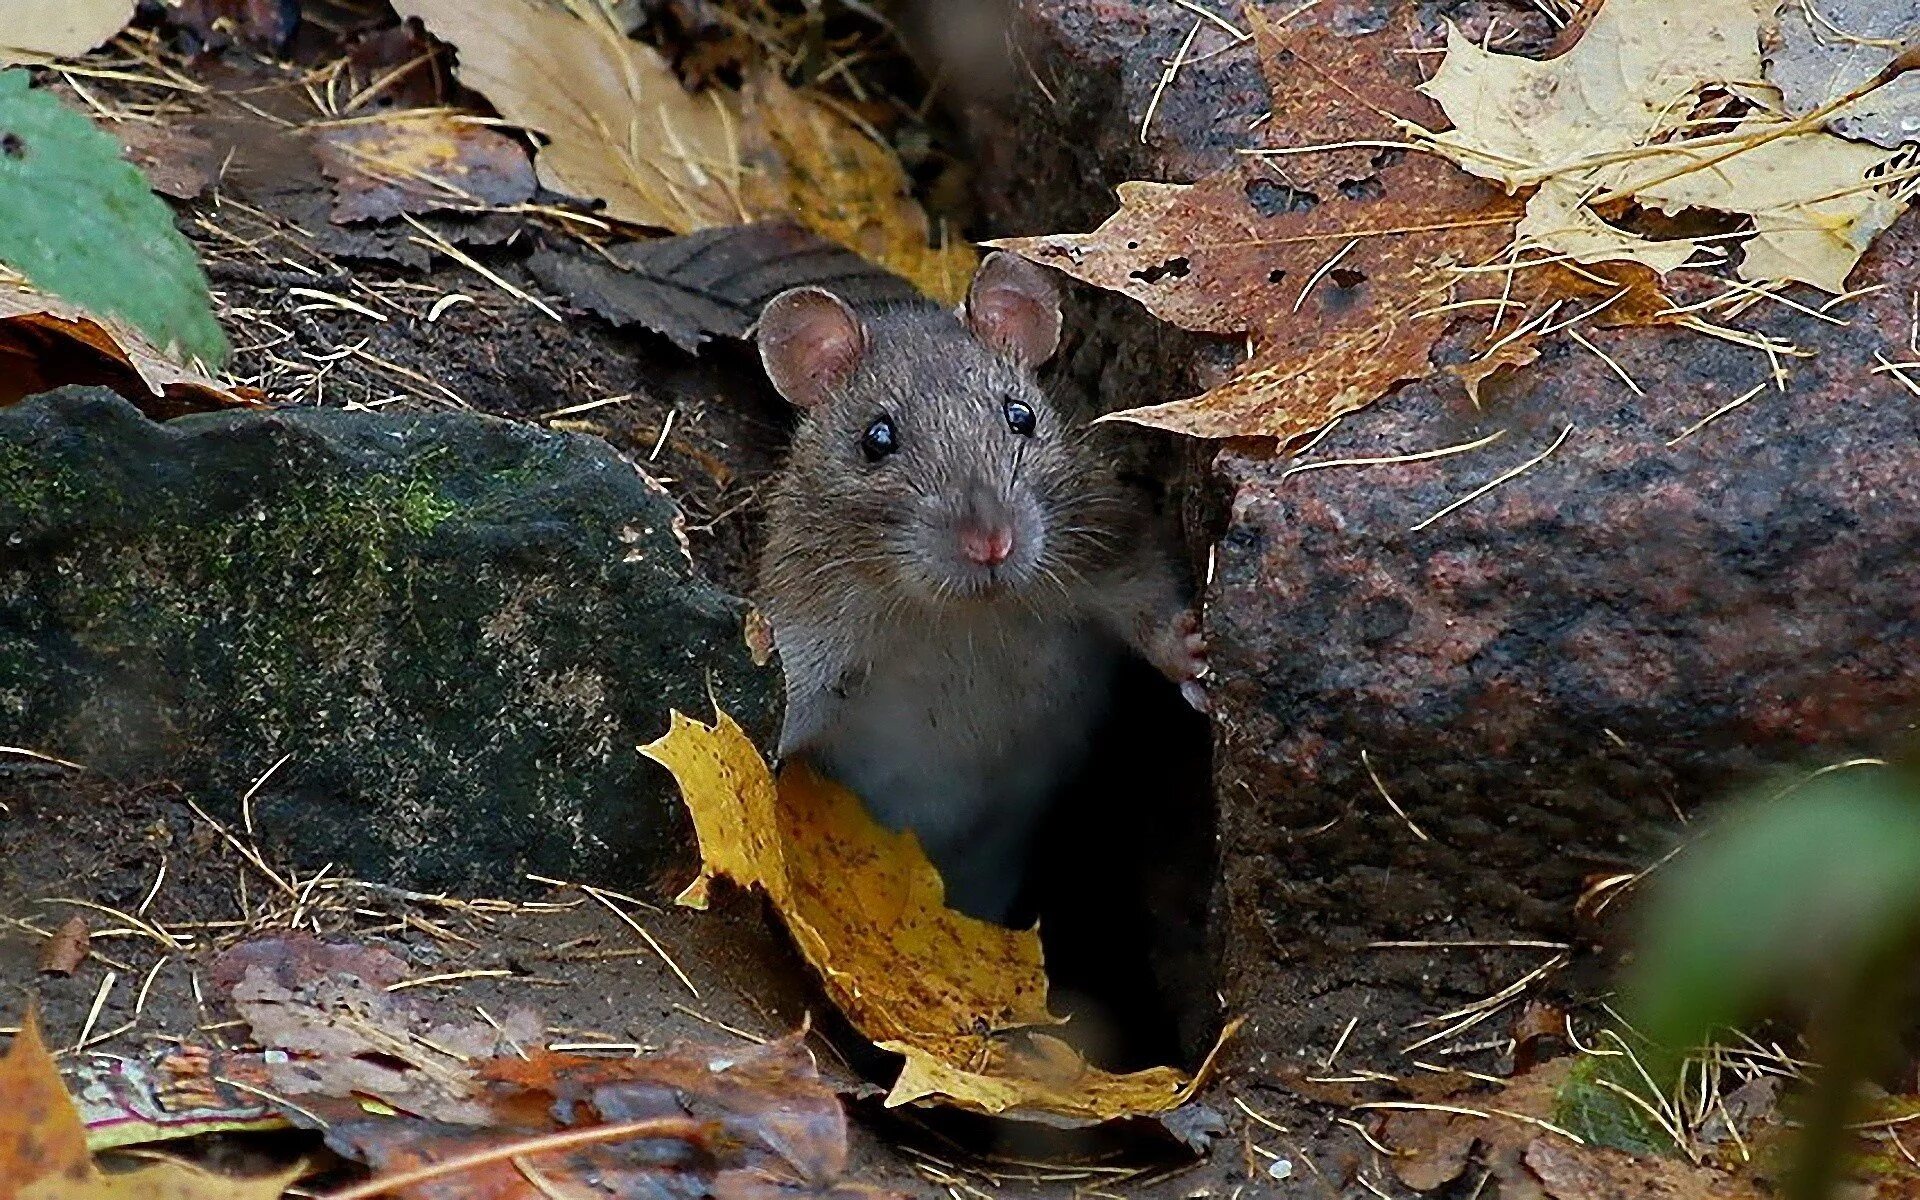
951,574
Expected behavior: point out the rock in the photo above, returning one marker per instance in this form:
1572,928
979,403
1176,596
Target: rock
1545,680
454,629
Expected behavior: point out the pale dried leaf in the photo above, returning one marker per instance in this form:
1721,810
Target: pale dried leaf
1559,221
1813,215
35,30
619,126
1627,78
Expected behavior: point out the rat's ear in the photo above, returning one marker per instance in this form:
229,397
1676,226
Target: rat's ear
1014,308
810,342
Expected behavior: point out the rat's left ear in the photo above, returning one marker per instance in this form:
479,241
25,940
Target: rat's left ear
1014,308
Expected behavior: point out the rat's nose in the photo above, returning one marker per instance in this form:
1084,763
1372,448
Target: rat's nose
988,546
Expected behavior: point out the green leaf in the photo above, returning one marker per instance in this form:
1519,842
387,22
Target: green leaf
81,224
1786,901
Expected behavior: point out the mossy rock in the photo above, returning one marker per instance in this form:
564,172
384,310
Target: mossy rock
457,630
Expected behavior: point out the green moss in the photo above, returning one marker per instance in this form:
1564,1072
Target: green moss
1590,1104
32,490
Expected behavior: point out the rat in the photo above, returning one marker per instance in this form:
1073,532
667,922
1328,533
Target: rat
952,573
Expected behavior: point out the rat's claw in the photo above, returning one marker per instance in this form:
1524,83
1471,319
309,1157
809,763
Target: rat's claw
1184,657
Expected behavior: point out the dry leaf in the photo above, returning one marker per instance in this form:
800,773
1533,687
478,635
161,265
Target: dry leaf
1813,213
840,183
1520,120
47,343
1570,1172
43,1145
345,1035
959,998
69,946
42,1134
619,126
420,161
1382,272
1815,63
176,163
1612,118
36,30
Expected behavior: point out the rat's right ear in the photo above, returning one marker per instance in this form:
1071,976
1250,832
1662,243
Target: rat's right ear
810,343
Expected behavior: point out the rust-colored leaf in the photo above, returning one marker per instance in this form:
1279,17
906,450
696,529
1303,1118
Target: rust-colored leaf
42,1134
47,343
1343,298
420,161
1345,265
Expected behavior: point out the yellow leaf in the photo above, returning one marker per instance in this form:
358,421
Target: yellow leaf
163,1180
843,185
960,999
619,126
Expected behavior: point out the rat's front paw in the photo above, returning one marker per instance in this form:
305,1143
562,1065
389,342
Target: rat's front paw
1180,651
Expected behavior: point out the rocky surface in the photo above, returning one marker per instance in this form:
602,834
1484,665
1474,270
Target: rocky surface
454,630
1549,680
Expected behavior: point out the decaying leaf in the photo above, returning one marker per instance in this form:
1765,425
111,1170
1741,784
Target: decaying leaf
266,25
346,1036
420,160
839,182
619,126
36,30
731,1120
960,999
1343,299
176,162
712,283
1570,1172
1816,62
43,1145
1343,266
43,1135
82,224
167,1095
47,343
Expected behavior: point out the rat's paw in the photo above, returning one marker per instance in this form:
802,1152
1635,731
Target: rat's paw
1180,651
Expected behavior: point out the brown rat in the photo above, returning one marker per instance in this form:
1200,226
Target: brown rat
951,572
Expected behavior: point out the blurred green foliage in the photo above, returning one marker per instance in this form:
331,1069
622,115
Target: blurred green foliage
1805,904
81,224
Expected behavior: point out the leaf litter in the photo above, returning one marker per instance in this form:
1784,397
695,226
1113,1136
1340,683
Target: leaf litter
1348,252
619,127
420,160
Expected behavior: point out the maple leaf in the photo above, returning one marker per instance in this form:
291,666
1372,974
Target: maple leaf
958,998
1612,119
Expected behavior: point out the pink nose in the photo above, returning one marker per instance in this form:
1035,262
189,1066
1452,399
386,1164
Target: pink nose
987,547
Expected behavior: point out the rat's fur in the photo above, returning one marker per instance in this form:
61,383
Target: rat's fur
954,698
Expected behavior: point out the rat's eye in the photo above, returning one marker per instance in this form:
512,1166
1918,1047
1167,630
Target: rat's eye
1020,418
879,440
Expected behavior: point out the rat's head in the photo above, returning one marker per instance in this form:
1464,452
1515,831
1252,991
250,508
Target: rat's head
930,461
